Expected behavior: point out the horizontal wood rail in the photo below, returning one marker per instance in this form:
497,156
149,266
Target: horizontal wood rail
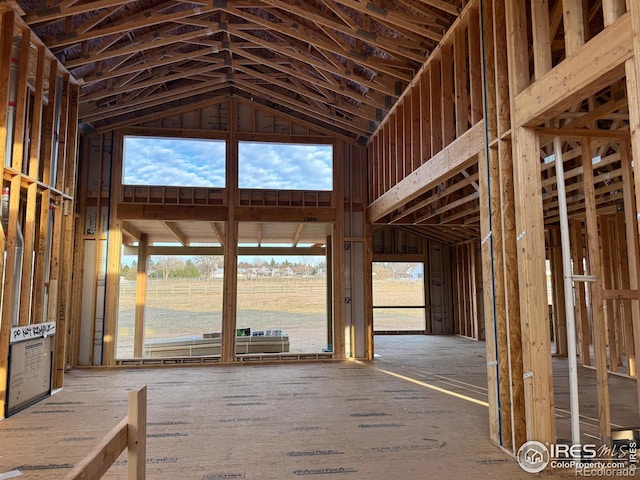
130,433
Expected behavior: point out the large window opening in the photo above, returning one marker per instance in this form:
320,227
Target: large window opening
183,162
398,297
278,166
183,306
284,298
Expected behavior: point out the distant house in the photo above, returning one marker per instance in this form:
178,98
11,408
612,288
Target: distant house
287,272
264,272
218,273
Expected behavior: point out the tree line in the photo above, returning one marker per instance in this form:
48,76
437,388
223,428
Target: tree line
208,267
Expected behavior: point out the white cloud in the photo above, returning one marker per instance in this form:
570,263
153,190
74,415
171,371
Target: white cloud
174,162
189,162
287,167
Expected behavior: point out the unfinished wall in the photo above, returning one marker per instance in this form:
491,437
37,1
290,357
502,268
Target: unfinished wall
560,95
38,154
110,211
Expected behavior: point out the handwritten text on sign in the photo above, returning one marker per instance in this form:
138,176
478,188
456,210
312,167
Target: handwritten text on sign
18,334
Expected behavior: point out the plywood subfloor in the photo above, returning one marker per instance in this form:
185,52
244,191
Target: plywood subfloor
325,420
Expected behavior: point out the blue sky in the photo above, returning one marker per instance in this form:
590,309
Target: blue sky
200,163
288,167
170,161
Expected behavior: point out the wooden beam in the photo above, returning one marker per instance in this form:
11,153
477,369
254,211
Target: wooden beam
595,66
448,94
296,236
137,435
132,231
230,281
54,13
393,18
541,37
559,312
218,233
573,18
149,44
444,165
114,248
495,325
435,89
474,40
597,305
21,101
461,74
8,290
536,348
338,266
141,295
98,461
29,229
6,37
584,329
632,68
177,233
612,10
42,263
36,120
62,310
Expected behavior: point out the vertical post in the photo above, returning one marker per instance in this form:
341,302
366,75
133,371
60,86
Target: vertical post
329,262
632,69
573,20
42,258
435,88
568,294
338,254
8,288
535,335
541,37
595,268
607,284
27,263
536,348
633,250
21,101
141,295
448,94
137,435
622,278
495,317
114,249
581,304
559,294
460,80
612,10
6,36
36,121
230,288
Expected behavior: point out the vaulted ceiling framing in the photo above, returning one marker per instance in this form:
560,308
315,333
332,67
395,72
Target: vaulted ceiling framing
337,64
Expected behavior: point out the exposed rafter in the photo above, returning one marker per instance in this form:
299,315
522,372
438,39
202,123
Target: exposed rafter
335,65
